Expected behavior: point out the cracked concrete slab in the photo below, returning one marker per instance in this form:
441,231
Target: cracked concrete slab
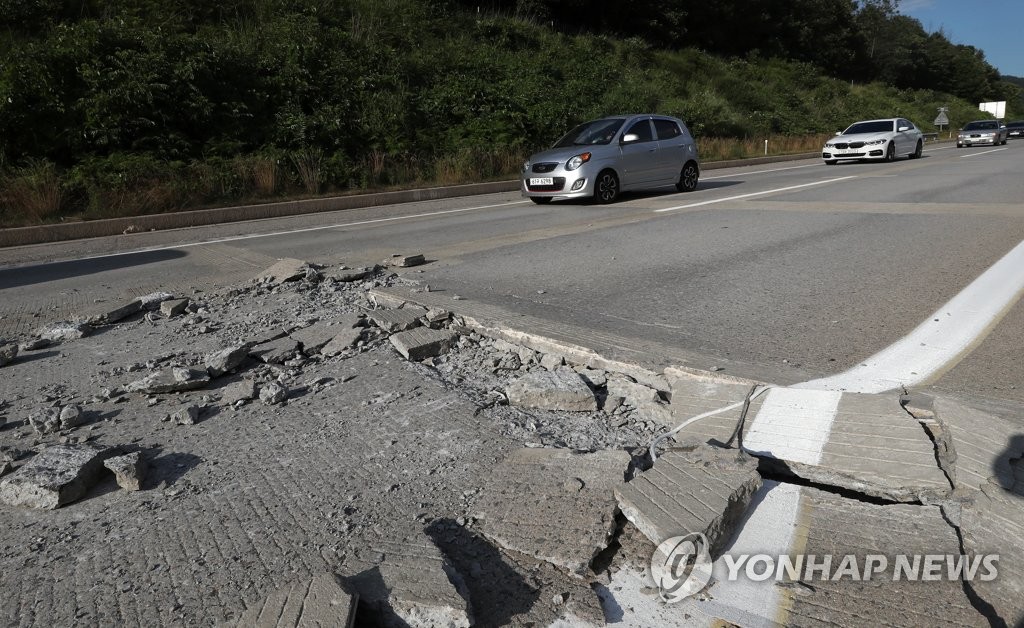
287,269
865,443
168,380
318,335
319,602
704,489
107,313
992,523
830,525
411,583
553,504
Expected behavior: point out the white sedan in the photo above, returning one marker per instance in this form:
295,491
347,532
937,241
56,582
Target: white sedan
875,139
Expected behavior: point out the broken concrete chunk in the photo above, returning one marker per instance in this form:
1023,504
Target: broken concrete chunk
552,362
153,300
405,261
634,394
318,335
287,269
345,339
705,489
36,344
127,470
414,584
422,343
186,415
62,332
226,360
45,420
276,351
56,476
437,315
173,307
559,390
553,504
397,320
8,351
316,603
244,390
168,380
273,393
106,314
594,378
348,275
71,416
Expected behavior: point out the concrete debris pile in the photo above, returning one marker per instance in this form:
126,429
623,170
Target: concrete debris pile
439,473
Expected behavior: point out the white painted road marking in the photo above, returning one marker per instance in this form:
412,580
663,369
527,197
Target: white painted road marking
793,424
996,150
933,346
943,338
752,194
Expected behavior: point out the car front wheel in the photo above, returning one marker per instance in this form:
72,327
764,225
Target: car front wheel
688,177
606,188
890,152
917,152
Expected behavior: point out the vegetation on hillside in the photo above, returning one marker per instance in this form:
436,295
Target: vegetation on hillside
119,107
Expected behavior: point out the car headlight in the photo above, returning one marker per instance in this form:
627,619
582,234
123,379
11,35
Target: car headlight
577,161
526,166
875,142
830,145
988,134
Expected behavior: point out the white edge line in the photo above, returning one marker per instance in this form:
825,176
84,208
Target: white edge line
279,233
994,150
734,198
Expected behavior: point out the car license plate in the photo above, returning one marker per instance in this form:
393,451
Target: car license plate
542,181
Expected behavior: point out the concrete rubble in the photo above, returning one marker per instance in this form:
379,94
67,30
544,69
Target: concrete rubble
410,583
553,504
316,602
58,475
399,260
8,351
64,331
226,360
705,489
563,389
127,470
401,319
169,380
106,314
488,475
422,343
173,307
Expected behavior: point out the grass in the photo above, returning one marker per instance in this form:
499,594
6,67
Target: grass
38,193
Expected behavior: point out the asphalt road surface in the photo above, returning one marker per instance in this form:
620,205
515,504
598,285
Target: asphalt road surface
782,272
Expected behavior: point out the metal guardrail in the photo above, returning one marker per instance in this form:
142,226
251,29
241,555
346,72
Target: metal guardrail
931,136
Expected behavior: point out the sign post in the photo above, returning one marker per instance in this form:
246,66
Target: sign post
942,119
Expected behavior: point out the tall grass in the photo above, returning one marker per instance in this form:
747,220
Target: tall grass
31,194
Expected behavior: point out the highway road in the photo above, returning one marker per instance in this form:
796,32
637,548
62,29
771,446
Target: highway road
783,272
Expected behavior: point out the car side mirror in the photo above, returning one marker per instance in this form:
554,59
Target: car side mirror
838,133
903,128
630,137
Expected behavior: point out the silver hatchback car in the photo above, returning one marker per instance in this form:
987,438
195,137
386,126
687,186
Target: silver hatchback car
601,158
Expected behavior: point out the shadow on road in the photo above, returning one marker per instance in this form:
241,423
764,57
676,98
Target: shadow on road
42,273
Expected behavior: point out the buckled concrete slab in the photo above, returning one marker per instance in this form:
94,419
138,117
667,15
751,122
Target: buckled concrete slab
553,504
830,525
704,489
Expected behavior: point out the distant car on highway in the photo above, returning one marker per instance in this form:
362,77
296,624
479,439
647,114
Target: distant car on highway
1015,129
875,139
602,158
982,132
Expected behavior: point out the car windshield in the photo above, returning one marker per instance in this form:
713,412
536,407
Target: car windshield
594,132
882,126
1016,123
983,125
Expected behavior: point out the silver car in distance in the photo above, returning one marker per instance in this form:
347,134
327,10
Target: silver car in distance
602,158
875,139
